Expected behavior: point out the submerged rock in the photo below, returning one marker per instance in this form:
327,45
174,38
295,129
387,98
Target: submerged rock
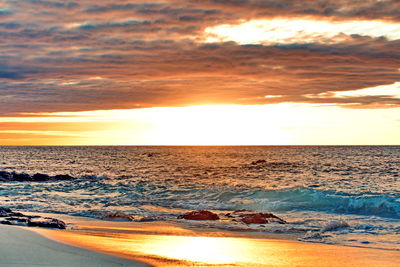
47,222
62,177
260,161
145,219
5,212
251,217
21,220
16,218
21,177
117,216
257,218
120,216
38,177
335,225
199,215
5,176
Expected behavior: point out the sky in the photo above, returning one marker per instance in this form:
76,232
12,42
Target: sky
200,72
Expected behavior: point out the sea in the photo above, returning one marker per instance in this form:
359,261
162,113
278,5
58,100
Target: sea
345,195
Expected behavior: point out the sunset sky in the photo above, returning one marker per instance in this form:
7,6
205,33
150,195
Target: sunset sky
199,72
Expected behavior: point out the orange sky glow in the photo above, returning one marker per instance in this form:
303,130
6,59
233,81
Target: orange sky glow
199,72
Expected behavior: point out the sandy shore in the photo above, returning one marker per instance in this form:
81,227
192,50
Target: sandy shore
21,247
167,244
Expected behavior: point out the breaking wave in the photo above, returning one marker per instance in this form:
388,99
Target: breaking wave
308,199
113,193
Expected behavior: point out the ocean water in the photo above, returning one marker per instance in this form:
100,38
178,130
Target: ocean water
348,195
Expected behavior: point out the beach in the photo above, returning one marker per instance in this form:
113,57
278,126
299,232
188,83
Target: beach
21,247
199,133
270,206
168,244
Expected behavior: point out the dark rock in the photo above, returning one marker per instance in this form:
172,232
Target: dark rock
47,222
22,177
144,219
257,218
40,177
260,161
250,217
199,215
274,218
5,212
236,212
62,177
16,218
5,176
18,214
120,216
117,216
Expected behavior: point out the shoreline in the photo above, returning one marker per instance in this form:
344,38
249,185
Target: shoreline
171,244
20,246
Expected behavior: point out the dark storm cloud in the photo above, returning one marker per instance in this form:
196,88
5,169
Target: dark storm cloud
9,74
10,25
4,12
57,4
16,72
89,55
123,6
102,26
352,9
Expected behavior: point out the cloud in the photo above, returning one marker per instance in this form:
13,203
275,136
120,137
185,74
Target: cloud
10,25
288,31
342,9
57,4
5,74
122,7
152,54
5,11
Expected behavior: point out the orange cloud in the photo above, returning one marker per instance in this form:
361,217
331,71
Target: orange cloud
152,54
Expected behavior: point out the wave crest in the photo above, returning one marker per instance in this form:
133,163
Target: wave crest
302,198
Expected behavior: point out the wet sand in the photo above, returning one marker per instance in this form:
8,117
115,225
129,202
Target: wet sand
169,244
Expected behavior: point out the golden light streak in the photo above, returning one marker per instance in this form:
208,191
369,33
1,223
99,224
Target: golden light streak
299,30
391,90
189,250
276,124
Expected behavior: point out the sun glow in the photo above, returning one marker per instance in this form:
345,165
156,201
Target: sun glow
299,30
222,125
275,124
391,90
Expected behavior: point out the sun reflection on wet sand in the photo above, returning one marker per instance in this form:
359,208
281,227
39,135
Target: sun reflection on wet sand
209,250
174,250
169,246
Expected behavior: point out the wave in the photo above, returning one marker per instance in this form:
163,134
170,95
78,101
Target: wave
118,192
309,199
